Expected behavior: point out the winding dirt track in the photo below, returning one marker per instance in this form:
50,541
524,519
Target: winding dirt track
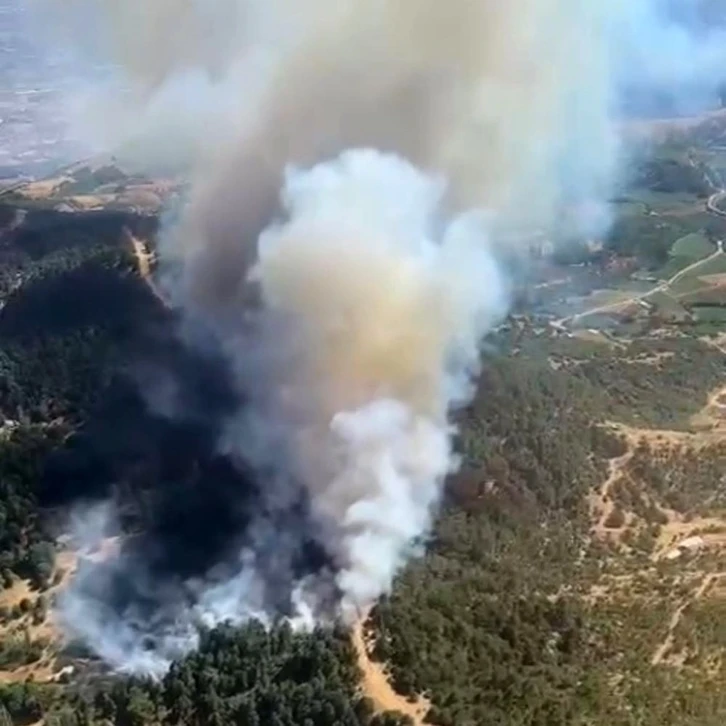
678,528
375,684
604,502
665,647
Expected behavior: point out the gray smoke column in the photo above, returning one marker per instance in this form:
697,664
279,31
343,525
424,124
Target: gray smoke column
356,167
382,286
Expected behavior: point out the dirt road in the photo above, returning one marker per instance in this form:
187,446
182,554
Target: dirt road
604,501
642,297
665,647
712,204
375,684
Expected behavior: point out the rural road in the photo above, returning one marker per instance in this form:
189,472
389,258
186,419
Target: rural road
660,287
376,686
712,206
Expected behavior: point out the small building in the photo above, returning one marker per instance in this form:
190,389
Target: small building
691,545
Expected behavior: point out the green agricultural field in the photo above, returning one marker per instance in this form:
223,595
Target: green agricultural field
713,295
672,268
665,203
693,246
605,297
711,314
667,306
687,285
714,266
625,206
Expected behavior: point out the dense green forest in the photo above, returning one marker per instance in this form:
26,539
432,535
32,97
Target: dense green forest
249,676
71,301
24,548
489,624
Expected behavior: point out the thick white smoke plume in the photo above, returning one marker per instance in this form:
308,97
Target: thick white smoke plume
389,302
356,166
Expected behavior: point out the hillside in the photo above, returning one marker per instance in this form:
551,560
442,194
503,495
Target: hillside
577,571
554,590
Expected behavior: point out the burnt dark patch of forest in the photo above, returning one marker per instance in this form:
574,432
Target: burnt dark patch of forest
137,414
104,399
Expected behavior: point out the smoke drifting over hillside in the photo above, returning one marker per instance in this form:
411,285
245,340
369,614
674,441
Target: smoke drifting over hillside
355,167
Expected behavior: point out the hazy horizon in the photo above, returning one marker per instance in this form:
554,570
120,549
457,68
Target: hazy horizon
38,85
42,92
